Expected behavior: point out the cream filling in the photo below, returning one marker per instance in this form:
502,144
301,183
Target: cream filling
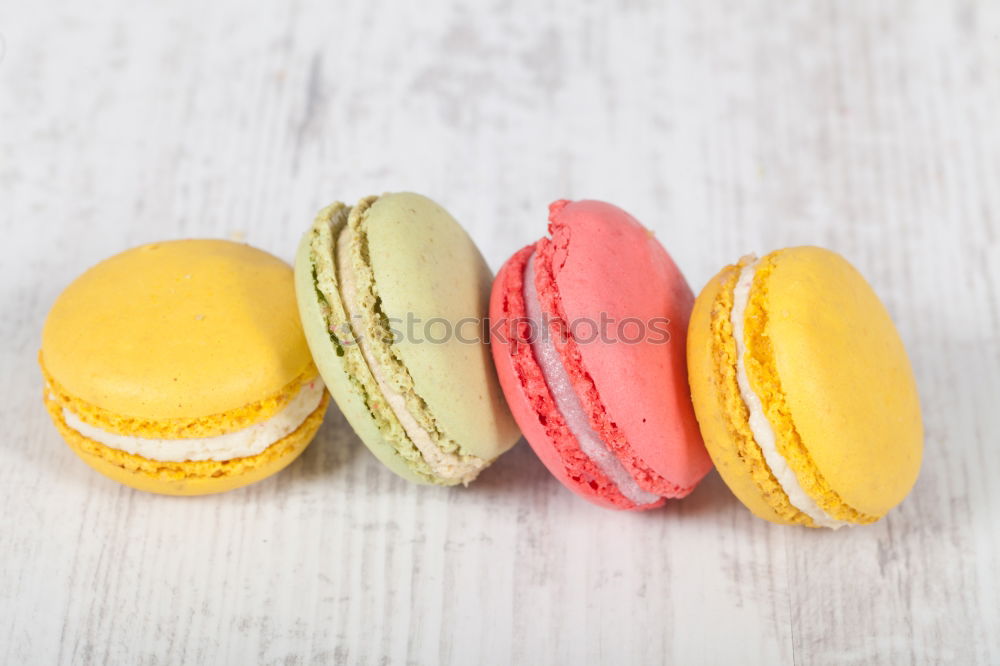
568,403
242,443
443,464
763,432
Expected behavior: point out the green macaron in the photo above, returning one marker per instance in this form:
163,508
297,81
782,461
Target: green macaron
393,296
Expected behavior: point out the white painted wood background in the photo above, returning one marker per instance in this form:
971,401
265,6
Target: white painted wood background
869,127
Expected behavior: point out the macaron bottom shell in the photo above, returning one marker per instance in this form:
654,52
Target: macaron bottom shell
723,415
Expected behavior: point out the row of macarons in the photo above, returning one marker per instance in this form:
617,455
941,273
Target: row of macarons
198,366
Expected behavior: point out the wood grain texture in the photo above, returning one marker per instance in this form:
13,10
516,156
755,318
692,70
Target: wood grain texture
728,127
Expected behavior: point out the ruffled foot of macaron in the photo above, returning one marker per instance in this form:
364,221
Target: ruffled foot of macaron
591,357
181,368
803,390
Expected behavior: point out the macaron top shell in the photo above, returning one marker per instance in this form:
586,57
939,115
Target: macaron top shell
177,330
608,267
845,376
433,281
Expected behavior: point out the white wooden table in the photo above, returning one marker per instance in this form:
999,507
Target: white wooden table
872,128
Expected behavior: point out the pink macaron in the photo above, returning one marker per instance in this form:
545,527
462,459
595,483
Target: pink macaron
589,334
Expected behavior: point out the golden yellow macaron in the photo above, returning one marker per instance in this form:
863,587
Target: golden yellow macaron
803,390
181,367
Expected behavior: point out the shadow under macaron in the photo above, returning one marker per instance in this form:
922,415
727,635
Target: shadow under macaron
710,497
331,451
516,471
520,471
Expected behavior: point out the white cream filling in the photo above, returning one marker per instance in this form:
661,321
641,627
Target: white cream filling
763,432
443,464
242,443
568,403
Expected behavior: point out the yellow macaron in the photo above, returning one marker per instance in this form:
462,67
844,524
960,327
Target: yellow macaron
803,390
181,367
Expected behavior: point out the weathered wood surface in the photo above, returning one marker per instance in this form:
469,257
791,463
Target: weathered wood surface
728,127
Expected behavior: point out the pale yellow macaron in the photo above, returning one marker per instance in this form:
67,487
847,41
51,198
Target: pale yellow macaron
803,390
181,367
